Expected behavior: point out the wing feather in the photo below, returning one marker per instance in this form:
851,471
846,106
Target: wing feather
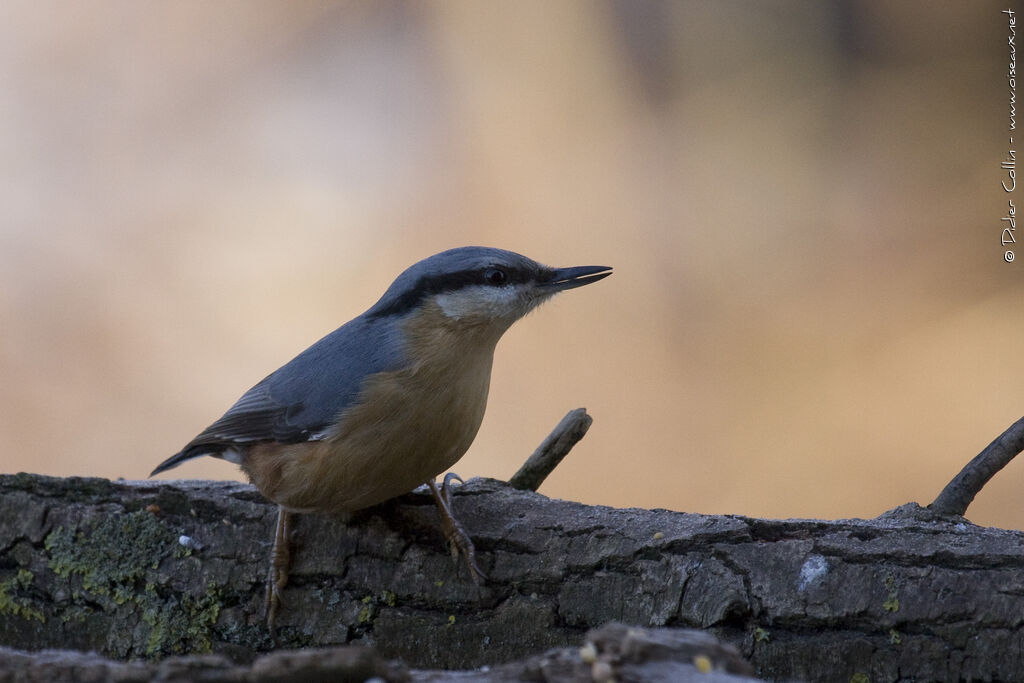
303,399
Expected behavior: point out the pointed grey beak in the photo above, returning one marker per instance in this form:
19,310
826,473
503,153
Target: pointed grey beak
570,278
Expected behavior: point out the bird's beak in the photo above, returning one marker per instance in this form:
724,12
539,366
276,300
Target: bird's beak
570,278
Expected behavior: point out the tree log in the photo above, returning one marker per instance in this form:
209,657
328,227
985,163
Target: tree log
147,570
612,652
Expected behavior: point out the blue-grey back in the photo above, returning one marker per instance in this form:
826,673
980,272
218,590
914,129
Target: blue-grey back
304,397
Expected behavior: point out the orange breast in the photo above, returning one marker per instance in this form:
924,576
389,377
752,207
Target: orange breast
407,426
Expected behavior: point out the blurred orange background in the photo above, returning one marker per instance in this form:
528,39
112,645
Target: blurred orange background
810,314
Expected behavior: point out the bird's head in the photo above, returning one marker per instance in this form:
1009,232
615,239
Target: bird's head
480,286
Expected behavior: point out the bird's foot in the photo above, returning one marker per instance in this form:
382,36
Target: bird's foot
280,559
458,540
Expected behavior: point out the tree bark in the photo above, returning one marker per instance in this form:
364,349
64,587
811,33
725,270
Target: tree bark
146,570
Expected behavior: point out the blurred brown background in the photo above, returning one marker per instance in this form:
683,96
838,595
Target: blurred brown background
810,313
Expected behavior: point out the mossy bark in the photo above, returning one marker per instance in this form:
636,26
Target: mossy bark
146,570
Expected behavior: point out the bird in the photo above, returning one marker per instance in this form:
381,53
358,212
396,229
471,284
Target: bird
386,402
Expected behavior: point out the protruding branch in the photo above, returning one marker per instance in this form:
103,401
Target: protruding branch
959,493
556,446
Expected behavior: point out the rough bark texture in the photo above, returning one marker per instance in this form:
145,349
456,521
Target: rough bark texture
613,652
147,570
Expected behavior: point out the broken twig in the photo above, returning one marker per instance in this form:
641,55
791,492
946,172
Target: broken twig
959,493
556,446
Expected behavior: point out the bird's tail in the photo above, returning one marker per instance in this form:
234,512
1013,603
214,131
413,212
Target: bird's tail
176,459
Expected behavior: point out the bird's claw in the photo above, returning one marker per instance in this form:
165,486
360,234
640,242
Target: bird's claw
446,491
459,542
276,581
277,578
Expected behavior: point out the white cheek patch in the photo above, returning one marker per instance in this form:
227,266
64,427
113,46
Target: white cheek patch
480,301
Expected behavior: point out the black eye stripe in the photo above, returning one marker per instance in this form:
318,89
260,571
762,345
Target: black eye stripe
452,282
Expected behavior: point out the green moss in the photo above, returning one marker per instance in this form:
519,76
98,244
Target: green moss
372,605
114,555
894,637
114,560
762,635
860,678
892,601
19,605
76,613
182,625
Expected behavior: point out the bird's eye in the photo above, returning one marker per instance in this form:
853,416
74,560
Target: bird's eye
495,276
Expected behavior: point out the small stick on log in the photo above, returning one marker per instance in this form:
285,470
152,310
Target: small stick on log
556,446
959,493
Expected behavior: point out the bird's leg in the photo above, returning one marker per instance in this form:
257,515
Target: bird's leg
458,540
280,558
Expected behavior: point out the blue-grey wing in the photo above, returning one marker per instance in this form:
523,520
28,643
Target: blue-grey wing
303,399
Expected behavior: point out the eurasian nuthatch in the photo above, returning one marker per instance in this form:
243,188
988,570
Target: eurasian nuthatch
387,401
